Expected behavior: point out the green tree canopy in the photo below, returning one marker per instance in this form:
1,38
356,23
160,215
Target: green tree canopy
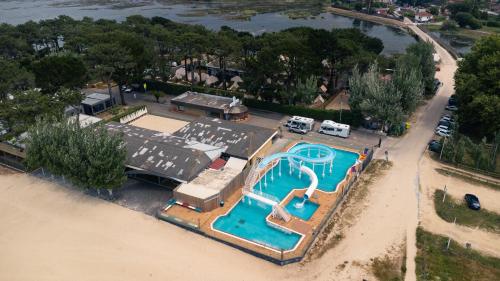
477,85
56,71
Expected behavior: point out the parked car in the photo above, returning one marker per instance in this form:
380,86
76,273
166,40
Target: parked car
472,201
443,133
435,146
451,108
297,129
442,127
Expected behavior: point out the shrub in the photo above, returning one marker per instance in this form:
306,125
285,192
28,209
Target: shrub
449,25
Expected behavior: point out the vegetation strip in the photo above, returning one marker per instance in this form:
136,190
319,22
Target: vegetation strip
451,209
435,262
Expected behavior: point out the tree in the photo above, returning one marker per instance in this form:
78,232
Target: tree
305,92
449,25
478,90
157,95
110,60
24,107
53,72
375,97
407,80
13,77
466,19
89,157
423,51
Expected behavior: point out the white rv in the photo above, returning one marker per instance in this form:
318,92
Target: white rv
299,124
328,127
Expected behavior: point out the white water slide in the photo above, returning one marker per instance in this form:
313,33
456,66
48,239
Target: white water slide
317,154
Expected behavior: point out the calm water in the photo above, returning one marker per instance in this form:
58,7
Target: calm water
248,218
461,44
20,11
304,212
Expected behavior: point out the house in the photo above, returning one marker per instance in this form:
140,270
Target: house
200,104
423,17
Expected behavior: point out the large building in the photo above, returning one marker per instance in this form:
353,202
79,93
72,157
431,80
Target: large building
163,155
209,105
238,140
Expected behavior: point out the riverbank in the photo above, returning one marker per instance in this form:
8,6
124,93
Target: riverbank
371,18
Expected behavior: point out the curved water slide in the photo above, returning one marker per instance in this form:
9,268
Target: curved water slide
317,154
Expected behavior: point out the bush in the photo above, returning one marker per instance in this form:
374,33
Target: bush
449,25
130,110
467,19
348,117
492,23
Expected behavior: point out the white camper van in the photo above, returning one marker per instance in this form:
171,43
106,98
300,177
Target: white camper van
328,127
299,124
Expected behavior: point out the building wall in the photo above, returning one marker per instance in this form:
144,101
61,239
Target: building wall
193,111
263,152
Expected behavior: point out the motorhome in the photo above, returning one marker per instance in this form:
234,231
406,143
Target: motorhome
329,127
299,124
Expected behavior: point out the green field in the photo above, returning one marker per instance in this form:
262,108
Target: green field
435,262
451,209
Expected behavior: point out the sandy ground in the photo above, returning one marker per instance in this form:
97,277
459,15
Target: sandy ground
430,181
158,123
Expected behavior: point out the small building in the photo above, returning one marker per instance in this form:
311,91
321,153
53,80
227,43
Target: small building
423,17
209,105
96,103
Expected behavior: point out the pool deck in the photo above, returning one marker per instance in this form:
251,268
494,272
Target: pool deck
327,202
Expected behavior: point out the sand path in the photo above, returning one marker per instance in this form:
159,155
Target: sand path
430,181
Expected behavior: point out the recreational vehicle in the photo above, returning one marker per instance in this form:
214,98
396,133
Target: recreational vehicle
329,127
298,124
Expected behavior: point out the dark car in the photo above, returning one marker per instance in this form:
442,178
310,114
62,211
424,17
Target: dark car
435,146
472,201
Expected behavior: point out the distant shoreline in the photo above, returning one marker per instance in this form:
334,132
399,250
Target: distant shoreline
362,16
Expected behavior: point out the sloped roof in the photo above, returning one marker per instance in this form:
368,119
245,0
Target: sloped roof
239,140
164,155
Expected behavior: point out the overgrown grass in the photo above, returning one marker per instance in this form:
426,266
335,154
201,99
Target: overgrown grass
434,262
463,177
451,209
387,269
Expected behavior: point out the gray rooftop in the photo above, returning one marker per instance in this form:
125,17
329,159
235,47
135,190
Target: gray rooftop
95,98
164,155
239,140
206,101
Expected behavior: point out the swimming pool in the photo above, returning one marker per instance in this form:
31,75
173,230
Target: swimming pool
304,212
247,219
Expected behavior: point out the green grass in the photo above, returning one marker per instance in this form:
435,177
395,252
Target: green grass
451,209
434,262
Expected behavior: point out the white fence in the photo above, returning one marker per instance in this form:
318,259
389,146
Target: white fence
134,115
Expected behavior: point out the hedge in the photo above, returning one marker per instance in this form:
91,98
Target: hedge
348,117
177,89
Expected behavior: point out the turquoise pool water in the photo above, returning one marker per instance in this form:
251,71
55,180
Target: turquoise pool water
247,219
305,212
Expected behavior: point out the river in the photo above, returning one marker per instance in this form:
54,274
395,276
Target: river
20,11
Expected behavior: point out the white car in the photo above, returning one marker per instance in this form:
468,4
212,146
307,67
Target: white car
442,127
443,133
451,108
